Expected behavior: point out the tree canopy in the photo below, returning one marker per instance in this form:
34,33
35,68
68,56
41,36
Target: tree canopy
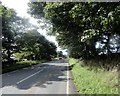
34,46
7,31
78,26
21,39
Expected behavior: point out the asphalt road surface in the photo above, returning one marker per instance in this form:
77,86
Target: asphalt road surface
47,78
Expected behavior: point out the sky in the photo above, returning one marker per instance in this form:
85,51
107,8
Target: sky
20,6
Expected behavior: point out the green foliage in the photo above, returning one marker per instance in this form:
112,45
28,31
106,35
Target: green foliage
21,64
92,81
78,26
30,62
12,25
32,45
59,54
22,39
7,32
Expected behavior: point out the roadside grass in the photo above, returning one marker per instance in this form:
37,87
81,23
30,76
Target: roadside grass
20,64
93,81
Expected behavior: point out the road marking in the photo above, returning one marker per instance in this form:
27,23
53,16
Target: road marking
28,77
67,91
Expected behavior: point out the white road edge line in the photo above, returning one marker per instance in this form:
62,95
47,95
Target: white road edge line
28,77
67,89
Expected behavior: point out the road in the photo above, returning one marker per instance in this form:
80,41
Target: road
47,78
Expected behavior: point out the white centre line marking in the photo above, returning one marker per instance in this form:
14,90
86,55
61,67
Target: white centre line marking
28,77
67,91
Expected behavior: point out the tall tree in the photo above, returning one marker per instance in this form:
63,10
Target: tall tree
35,46
7,32
78,26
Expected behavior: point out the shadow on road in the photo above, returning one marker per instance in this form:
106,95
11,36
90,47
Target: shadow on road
59,61
53,71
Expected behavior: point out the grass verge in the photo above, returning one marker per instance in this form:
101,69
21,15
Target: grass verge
20,64
92,81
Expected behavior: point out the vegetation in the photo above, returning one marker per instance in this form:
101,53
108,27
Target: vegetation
21,64
22,41
32,45
90,32
94,80
87,30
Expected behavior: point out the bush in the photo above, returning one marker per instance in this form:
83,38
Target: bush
19,65
94,80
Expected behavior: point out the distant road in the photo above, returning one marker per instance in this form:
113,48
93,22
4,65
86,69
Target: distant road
47,78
